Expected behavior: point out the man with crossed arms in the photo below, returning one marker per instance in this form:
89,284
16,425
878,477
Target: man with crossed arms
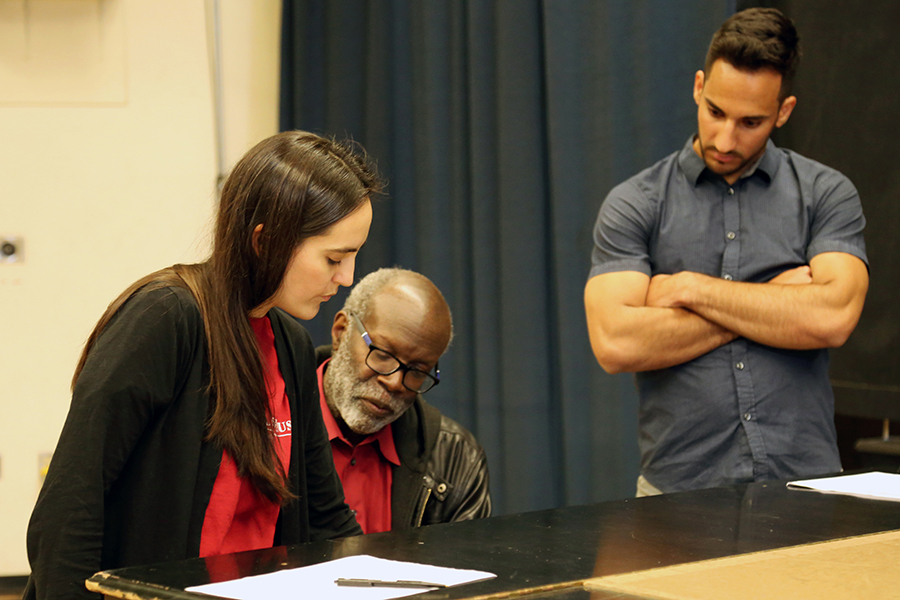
723,273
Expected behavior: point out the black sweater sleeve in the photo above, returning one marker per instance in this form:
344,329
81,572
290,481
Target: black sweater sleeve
320,512
132,373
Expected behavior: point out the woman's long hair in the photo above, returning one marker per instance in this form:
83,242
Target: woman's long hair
296,185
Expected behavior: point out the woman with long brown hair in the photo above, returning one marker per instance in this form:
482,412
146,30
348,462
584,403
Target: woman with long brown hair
195,426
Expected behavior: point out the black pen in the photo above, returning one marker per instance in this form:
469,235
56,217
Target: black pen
402,583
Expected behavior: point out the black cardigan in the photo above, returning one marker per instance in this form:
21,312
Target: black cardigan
131,477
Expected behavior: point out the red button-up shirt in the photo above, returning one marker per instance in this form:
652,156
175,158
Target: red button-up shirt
365,469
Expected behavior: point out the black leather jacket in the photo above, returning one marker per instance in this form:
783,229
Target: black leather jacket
443,472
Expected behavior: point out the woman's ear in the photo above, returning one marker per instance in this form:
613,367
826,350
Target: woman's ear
254,240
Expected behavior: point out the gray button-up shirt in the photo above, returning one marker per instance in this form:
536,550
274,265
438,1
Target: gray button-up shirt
744,411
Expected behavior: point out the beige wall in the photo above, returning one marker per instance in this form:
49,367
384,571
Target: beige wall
250,33
108,167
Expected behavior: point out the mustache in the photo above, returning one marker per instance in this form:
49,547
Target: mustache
382,402
732,153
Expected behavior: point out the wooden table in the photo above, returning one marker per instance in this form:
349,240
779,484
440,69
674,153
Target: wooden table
549,554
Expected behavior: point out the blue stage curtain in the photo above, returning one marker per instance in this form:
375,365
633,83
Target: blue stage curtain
501,125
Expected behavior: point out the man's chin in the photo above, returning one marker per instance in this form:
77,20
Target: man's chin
364,431
367,424
373,411
722,169
369,428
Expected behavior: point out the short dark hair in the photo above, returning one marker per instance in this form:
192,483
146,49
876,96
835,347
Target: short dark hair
758,38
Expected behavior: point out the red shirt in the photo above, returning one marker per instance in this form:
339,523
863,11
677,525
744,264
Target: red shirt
366,470
238,517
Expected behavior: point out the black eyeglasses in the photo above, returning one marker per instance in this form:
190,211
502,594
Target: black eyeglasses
385,363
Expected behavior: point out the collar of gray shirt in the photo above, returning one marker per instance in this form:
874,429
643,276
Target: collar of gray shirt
693,166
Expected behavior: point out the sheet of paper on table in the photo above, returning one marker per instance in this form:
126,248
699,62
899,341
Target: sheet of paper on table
875,485
318,581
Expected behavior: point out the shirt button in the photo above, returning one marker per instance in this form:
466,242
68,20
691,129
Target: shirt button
730,235
731,191
748,417
727,277
739,366
352,462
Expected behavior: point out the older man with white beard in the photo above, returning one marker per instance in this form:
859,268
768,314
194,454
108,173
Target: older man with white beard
402,463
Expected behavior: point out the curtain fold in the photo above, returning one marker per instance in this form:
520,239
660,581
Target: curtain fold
501,125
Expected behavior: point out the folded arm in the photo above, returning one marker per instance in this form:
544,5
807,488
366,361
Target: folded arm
127,381
627,335
821,314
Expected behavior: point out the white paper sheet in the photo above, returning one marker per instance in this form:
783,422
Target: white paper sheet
317,581
875,485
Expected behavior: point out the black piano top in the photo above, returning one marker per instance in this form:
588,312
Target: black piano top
551,552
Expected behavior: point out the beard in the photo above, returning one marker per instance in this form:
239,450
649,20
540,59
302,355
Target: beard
345,393
742,163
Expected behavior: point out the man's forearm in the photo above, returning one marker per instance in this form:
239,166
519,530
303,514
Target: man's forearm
820,314
627,336
661,338
783,316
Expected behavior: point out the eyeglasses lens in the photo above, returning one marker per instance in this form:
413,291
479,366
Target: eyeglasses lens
385,364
